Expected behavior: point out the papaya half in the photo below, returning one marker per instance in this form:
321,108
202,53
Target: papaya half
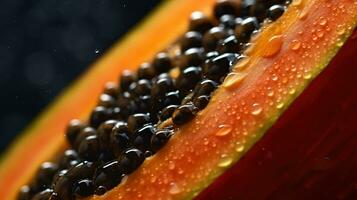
257,100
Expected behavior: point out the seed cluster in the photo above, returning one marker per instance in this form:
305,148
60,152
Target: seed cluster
125,126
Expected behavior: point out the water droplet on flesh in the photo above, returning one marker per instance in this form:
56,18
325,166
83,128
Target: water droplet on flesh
275,43
224,130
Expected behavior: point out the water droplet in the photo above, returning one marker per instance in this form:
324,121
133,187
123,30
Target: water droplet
341,30
233,80
257,109
297,2
323,22
274,77
174,189
307,76
171,165
292,91
280,105
242,64
224,130
295,45
225,161
240,147
303,15
275,43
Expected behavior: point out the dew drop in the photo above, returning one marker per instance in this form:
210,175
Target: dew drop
274,77
275,43
280,105
323,22
307,76
225,161
171,165
297,2
341,30
240,147
295,45
224,130
242,64
257,109
303,15
233,80
292,91
174,189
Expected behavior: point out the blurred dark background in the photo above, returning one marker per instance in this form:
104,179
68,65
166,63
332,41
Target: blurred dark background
45,44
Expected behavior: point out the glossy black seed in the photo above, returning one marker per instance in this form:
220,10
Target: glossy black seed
68,156
106,101
143,103
44,176
211,38
142,137
259,10
100,190
183,114
104,131
141,87
64,184
172,98
119,138
43,195
108,175
83,170
98,116
74,127
146,71
159,139
188,79
230,7
212,54
131,159
137,121
59,174
217,68
205,87
200,22
161,86
227,21
191,39
111,89
126,104
192,57
162,63
24,193
275,12
127,77
201,101
166,113
244,30
83,188
229,45
106,155
89,148
85,132
63,188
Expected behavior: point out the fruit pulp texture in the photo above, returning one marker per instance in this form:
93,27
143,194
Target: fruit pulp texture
310,152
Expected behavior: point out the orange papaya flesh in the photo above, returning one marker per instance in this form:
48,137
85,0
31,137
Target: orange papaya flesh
187,178
44,137
310,152
242,109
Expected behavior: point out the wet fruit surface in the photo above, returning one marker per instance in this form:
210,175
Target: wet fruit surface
134,121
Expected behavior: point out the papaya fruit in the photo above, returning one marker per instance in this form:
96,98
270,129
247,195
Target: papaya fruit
255,101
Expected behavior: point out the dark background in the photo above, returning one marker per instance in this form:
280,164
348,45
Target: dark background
45,44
